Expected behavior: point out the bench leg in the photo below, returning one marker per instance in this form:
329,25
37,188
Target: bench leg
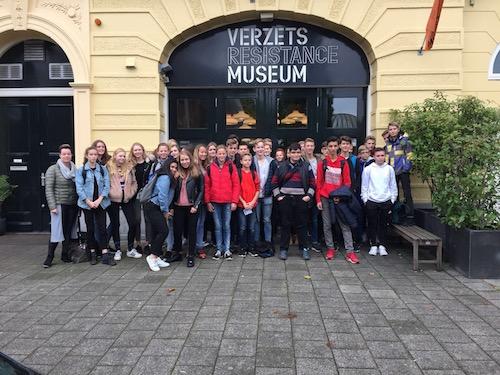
439,256
415,256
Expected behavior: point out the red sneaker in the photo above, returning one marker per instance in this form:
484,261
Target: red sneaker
202,254
352,257
330,253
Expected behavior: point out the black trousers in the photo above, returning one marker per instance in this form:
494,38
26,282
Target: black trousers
95,220
405,184
377,215
158,227
138,219
185,221
114,217
69,213
293,214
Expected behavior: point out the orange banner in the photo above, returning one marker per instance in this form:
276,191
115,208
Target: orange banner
432,24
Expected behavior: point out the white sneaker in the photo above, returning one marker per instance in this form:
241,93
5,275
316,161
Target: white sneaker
373,250
382,250
153,263
134,254
118,255
161,263
228,255
217,255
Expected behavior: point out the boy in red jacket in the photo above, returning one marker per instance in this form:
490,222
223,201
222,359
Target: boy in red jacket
222,193
249,193
333,172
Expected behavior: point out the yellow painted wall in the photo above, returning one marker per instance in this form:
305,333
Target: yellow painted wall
122,105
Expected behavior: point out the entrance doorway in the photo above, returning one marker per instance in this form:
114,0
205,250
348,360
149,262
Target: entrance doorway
282,80
33,125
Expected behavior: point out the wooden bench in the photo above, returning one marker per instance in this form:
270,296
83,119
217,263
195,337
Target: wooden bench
420,237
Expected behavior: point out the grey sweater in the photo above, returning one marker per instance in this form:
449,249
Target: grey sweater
58,190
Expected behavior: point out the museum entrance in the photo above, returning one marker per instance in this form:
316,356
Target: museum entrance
282,80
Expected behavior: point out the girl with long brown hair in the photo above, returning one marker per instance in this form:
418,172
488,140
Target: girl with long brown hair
187,198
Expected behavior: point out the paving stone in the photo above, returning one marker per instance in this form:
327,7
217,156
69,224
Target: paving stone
22,346
312,349
449,335
237,347
236,365
274,357
387,349
480,367
274,371
378,334
341,326
346,341
434,359
46,356
353,358
464,352
316,366
92,347
301,332
193,356
106,331
192,370
204,338
121,356
76,365
371,320
242,331
172,331
268,339
398,367
154,365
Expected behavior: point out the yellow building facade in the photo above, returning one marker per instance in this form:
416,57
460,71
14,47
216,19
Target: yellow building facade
116,48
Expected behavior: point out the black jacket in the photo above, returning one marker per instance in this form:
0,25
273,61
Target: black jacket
195,188
348,210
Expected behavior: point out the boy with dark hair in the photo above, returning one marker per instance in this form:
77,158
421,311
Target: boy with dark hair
345,151
333,173
399,152
378,192
370,143
293,187
312,159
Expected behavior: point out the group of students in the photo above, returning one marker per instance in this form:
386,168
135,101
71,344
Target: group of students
248,198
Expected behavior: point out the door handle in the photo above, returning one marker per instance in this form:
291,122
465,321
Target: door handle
42,179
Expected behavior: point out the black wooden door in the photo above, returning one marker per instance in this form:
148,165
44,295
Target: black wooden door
31,131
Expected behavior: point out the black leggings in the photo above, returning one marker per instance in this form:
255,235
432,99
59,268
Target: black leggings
114,218
377,215
69,213
97,215
185,220
158,225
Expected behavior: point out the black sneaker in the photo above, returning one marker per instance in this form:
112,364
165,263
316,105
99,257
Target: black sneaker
243,253
173,257
48,262
190,262
252,252
138,248
93,258
107,258
316,247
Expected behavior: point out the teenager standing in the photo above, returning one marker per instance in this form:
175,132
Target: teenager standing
379,192
200,157
222,192
92,186
60,192
123,187
187,199
249,193
293,187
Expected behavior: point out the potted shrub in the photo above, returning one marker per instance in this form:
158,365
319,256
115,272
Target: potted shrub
6,190
457,145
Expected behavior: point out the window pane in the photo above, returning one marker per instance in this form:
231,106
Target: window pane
240,113
192,113
342,113
292,113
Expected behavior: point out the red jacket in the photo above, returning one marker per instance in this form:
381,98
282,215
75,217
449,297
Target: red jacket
335,176
250,185
221,186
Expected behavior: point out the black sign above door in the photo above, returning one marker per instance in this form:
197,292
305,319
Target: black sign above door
281,53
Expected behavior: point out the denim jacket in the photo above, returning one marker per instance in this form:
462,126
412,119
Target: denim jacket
86,190
163,193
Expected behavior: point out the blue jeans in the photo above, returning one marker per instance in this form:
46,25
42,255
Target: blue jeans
169,241
200,226
247,229
222,222
263,212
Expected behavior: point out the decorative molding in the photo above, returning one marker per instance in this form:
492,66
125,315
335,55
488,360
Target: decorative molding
231,5
266,3
126,84
69,8
303,4
376,8
196,8
337,9
20,14
124,45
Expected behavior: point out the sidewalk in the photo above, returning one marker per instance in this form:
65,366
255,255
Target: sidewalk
248,316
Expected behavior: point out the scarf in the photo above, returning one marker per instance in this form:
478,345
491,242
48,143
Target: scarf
68,173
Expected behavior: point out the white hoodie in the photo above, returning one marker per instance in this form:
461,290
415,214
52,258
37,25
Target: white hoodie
378,183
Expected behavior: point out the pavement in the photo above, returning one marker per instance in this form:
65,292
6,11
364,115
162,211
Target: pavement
246,316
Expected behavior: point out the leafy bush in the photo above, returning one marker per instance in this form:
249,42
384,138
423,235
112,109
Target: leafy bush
457,148
5,188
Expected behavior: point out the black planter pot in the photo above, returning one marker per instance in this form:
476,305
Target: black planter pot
3,225
475,253
427,219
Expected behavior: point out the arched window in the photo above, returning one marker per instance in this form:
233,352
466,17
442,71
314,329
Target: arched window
494,71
